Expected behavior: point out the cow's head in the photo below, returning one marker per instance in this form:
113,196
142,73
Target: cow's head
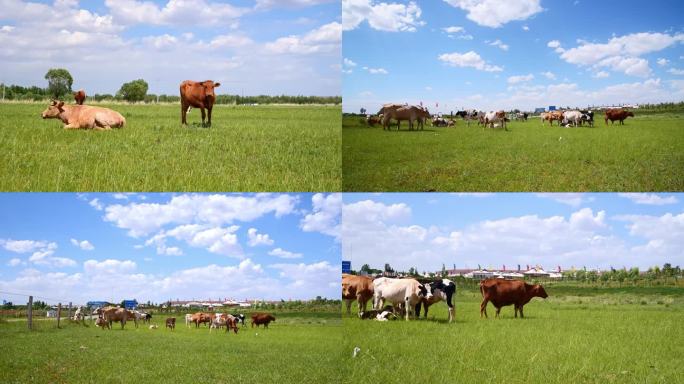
539,291
424,291
630,114
209,86
53,110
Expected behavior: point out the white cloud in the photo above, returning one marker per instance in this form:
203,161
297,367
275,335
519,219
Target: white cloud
258,238
453,29
500,44
120,196
84,245
174,12
95,203
218,240
349,63
620,54
13,262
583,238
109,266
571,199
390,17
141,219
664,235
520,78
468,59
326,38
676,71
376,71
649,198
326,215
525,28
496,13
549,75
283,254
265,4
600,75
663,61
25,246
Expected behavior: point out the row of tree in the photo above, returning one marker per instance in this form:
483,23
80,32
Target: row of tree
60,84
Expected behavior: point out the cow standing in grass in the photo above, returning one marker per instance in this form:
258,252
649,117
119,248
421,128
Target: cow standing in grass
79,96
262,318
506,292
617,114
359,288
198,95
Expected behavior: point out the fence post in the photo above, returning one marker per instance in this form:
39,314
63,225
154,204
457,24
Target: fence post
70,310
30,313
59,313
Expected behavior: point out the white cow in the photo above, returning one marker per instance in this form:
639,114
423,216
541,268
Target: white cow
574,117
495,117
188,320
408,292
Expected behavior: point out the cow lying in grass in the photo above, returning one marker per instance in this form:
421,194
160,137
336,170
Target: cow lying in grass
84,116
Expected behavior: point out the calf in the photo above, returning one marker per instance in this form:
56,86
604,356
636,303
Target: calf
79,96
506,292
171,323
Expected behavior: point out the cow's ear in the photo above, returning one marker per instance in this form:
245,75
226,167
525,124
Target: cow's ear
60,105
217,85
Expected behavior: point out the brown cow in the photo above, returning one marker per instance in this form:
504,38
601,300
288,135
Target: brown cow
199,95
121,315
171,323
84,116
617,114
200,317
231,323
372,120
359,288
262,318
411,113
506,292
80,96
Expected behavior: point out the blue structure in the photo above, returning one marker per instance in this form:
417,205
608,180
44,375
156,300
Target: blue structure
346,266
130,304
96,304
539,110
552,107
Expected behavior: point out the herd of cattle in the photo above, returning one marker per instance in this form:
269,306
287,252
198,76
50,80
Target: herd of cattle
419,114
407,295
194,94
106,316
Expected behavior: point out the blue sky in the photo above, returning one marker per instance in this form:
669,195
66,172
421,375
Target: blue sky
596,230
491,54
160,246
250,46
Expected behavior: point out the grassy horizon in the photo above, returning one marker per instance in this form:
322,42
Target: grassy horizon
645,154
265,148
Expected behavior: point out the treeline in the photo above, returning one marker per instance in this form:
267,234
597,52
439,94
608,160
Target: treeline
19,93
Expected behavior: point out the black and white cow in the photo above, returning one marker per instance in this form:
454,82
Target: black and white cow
240,318
588,117
444,289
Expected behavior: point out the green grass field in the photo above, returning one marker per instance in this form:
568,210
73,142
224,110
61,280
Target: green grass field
297,348
646,154
577,335
264,148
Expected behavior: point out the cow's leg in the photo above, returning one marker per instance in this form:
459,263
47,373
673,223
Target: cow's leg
347,303
408,308
498,309
184,114
483,308
417,310
521,312
515,310
204,115
209,116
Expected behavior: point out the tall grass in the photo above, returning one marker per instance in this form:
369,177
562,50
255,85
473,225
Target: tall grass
596,338
269,148
296,348
646,154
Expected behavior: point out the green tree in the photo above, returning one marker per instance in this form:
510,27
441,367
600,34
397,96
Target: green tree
59,82
366,268
133,91
444,271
